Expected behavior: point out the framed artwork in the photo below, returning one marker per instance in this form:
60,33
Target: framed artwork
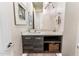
19,13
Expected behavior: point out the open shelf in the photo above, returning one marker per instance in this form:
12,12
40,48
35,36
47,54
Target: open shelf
50,49
52,41
52,38
52,44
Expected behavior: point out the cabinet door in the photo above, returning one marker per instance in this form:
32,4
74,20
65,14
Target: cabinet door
38,44
27,43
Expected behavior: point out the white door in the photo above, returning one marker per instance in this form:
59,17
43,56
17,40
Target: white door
77,43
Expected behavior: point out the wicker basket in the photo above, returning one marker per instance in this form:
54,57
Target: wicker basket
53,47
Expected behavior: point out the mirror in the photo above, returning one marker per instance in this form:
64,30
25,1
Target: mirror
48,16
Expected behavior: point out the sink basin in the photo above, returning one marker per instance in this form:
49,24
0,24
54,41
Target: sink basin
31,33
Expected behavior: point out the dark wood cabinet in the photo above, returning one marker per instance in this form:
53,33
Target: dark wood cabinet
41,43
38,44
31,43
27,43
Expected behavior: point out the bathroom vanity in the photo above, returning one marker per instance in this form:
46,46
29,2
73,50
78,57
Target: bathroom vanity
48,21
42,43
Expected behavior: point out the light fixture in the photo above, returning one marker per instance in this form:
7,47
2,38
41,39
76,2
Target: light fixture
49,4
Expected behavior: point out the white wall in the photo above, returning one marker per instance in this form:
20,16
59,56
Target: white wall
9,31
70,28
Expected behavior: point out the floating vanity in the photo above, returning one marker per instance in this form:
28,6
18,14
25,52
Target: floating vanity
48,24
41,43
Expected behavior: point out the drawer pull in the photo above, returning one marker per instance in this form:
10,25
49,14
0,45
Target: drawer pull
27,38
38,38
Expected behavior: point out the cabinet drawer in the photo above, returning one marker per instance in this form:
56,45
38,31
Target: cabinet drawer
28,40
38,49
38,46
26,37
27,47
38,38
38,41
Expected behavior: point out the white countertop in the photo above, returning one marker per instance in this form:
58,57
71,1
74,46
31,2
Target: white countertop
41,33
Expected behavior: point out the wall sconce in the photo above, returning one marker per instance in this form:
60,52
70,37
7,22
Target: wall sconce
49,3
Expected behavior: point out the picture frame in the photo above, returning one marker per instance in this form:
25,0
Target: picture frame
19,13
